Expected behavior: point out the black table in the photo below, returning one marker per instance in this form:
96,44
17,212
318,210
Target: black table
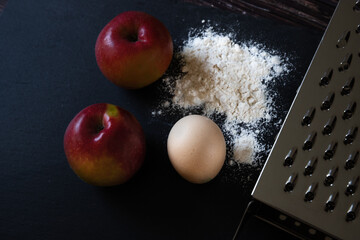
48,73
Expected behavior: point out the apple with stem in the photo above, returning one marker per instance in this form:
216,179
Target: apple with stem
104,145
134,49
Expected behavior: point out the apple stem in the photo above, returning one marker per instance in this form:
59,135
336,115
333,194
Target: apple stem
132,37
99,128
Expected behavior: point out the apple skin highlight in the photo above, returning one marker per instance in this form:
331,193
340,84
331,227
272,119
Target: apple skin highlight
134,50
104,145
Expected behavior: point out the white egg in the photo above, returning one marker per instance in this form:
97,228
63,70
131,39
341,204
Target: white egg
196,148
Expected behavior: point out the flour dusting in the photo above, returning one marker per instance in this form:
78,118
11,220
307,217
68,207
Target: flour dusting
222,77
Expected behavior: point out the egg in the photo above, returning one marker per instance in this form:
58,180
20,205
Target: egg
196,148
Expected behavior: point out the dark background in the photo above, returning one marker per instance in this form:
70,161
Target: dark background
48,73
311,13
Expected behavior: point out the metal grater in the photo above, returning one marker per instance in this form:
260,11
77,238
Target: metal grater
311,176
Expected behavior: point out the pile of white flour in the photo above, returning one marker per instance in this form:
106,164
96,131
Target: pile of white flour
227,78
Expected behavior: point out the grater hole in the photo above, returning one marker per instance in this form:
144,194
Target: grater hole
306,120
330,206
327,130
329,180
351,160
330,177
326,104
350,135
290,157
330,151
325,79
289,187
345,63
351,213
351,186
310,167
343,40
308,117
350,164
329,126
309,170
310,193
346,89
290,183
350,216
349,111
288,161
350,189
329,154
309,196
309,142
308,145
356,8
331,202
357,29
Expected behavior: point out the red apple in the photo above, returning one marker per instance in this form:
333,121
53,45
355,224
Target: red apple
134,49
104,145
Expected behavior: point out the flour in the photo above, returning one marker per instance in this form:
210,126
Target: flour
245,147
227,78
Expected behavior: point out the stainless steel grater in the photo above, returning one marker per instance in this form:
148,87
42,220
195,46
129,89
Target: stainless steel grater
311,177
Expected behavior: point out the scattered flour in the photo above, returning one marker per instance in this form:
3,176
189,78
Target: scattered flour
244,146
223,77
